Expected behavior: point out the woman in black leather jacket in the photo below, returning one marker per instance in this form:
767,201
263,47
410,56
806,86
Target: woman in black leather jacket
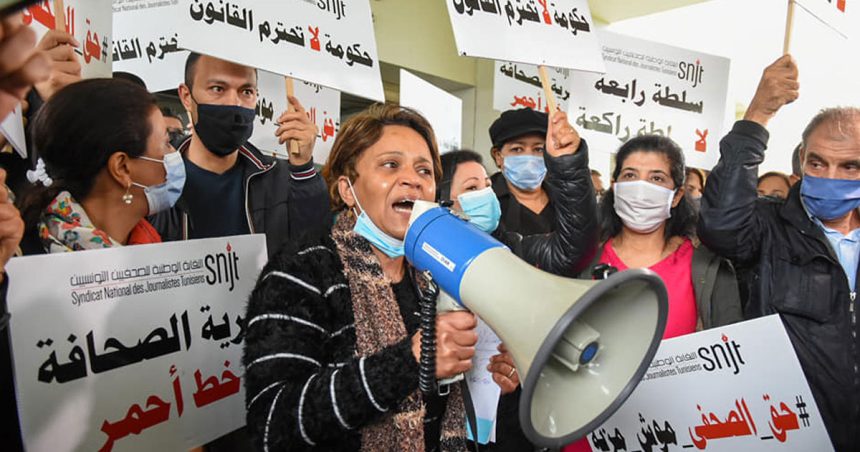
567,250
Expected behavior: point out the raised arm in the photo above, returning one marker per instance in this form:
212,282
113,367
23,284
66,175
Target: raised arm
729,221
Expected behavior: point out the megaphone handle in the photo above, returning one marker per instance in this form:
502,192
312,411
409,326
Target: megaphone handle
427,311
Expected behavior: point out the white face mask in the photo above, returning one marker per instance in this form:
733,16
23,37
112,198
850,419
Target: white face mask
643,206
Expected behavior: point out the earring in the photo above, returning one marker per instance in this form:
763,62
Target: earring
127,197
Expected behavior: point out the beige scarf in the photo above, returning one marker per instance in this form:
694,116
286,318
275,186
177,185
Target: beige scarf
378,324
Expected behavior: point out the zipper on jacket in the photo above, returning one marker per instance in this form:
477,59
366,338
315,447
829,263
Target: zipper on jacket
247,186
853,313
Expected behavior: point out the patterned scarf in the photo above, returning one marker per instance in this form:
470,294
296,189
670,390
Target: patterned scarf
65,227
378,324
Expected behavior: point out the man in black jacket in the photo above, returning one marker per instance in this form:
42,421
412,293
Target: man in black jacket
805,250
231,187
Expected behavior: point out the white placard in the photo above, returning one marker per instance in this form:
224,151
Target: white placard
325,42
12,129
652,88
556,33
90,22
834,13
146,42
733,388
134,348
442,109
483,390
321,104
517,85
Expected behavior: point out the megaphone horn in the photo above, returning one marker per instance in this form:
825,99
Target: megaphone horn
581,347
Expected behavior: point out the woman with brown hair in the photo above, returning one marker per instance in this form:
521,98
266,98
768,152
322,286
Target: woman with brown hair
332,345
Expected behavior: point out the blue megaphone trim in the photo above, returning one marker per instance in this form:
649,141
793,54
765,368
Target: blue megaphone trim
446,245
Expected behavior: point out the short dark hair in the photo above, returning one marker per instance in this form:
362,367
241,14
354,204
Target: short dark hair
450,162
77,131
683,218
129,77
190,66
594,172
796,164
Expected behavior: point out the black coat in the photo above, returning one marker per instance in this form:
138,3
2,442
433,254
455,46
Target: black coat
301,314
564,251
800,277
573,240
281,200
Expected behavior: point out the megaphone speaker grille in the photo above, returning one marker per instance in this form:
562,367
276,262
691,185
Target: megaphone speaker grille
612,333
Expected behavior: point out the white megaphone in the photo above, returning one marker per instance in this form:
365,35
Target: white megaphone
580,347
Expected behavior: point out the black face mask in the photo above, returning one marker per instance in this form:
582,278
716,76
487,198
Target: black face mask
223,128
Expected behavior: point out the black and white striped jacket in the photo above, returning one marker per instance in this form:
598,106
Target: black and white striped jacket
306,390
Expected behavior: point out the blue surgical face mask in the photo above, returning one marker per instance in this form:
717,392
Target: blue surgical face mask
525,172
164,195
365,227
829,199
483,208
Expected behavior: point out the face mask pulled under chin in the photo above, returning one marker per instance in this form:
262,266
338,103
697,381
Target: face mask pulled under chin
223,128
642,206
366,228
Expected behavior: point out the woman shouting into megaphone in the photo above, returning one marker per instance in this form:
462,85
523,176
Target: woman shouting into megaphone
332,345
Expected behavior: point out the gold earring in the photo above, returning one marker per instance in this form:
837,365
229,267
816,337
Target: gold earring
127,197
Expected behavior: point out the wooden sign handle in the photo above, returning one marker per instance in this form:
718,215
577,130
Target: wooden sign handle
547,89
59,15
293,145
789,27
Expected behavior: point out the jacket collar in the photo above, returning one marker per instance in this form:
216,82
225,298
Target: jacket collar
795,214
249,153
500,185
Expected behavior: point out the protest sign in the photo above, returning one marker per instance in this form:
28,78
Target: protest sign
321,104
835,13
137,348
320,42
89,21
442,109
557,34
518,85
655,89
716,389
146,42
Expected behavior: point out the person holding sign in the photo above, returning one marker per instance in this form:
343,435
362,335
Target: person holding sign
805,250
232,187
96,188
564,251
467,187
519,141
332,345
97,182
11,232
